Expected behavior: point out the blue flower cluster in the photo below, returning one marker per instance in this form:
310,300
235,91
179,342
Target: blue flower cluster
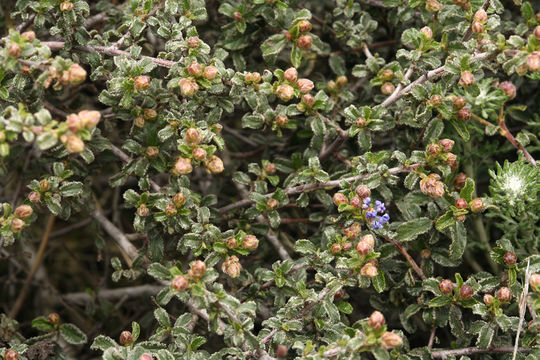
376,215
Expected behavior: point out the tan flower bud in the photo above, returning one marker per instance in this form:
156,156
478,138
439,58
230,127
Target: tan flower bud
446,286
76,74
387,88
459,181
23,211
464,114
488,299
188,86
477,205
477,27
534,281
193,42
481,16
339,199
44,185
17,224
272,204
467,78
451,160
14,50
353,231
89,118
197,270
250,242
285,92
341,81
53,318
369,270
537,32
290,75
215,165
433,6
182,166
304,85
466,292
149,114
73,143
199,154
193,137
435,100
232,267
142,82
376,320
509,89
195,69
369,239
304,26
28,35
179,283
231,243
356,202
335,249
433,149
459,102
281,120
143,210
446,144
11,355
139,121
270,168
210,72
74,123
461,203
66,6
533,62
387,74
179,199
237,16
308,99
390,340
426,30
363,248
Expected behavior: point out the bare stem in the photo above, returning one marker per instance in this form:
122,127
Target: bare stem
474,350
409,258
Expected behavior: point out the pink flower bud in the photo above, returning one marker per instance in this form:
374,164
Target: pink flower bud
466,292
433,149
537,31
356,202
369,239
272,204
376,320
231,243
459,181
446,287
126,338
237,16
477,27
353,231
363,248
503,294
34,197
44,185
346,246
461,203
11,355
510,258
446,144
488,299
14,50
179,199
304,85
534,281
23,211
17,224
335,249
281,120
533,62
304,41
179,283
290,75
170,210
435,100
250,242
270,168
146,357
308,99
508,88
28,35
464,114
89,118
459,102
74,123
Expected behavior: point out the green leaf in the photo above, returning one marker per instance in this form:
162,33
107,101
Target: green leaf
412,229
272,47
296,56
158,271
461,128
305,247
468,190
102,343
46,141
72,334
379,282
42,324
345,307
458,233
162,317
485,337
72,188
135,330
439,301
445,220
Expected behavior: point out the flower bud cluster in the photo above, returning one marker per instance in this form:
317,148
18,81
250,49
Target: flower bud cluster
432,186
285,89
193,72
440,152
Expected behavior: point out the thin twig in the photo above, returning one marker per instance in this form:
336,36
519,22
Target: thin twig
431,337
22,26
82,298
409,258
122,241
400,85
508,135
474,350
522,307
315,186
37,261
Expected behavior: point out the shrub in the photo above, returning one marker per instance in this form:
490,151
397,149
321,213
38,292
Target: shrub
269,179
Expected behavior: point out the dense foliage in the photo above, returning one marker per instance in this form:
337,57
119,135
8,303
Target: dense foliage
269,179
